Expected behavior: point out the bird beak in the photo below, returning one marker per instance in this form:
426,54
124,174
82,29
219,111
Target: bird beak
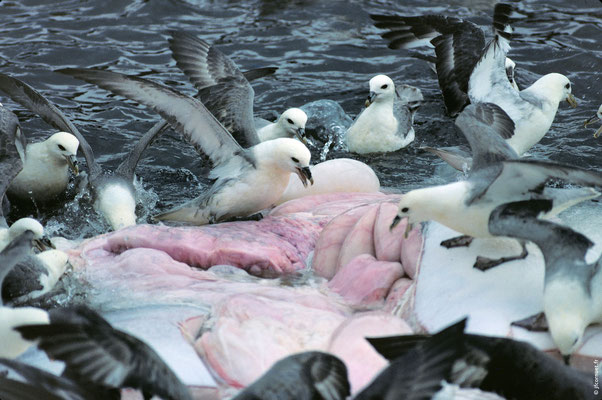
396,222
300,135
567,359
598,132
305,175
72,161
43,244
571,100
370,99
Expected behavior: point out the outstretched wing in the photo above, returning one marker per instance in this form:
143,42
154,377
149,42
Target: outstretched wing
185,114
223,88
12,152
458,46
31,99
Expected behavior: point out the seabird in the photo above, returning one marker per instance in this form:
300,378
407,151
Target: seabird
597,117
497,176
572,296
247,180
94,352
419,373
312,375
484,78
510,368
386,123
17,250
12,156
458,47
113,193
227,94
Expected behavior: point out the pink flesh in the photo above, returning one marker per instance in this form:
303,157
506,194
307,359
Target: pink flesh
411,252
254,322
387,242
364,282
328,247
360,240
397,294
348,343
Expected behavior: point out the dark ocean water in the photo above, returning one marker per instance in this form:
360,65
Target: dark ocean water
323,49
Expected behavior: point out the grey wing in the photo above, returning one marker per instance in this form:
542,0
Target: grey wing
94,351
456,156
418,373
231,102
23,279
458,46
201,62
128,166
13,253
185,114
525,179
12,152
520,220
329,376
31,99
485,127
489,81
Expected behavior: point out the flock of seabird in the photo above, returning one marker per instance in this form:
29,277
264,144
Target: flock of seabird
501,195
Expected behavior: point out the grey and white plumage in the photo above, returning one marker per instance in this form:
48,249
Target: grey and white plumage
95,352
470,71
386,123
13,253
113,192
12,155
572,297
311,375
246,180
419,373
497,176
458,47
513,369
596,117
227,93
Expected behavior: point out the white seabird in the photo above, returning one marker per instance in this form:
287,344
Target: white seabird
113,193
497,176
19,248
386,123
458,47
484,79
593,119
227,94
572,296
248,180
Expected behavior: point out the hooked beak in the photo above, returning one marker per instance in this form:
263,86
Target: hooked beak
396,222
43,244
370,99
571,100
300,135
592,120
567,359
305,175
72,161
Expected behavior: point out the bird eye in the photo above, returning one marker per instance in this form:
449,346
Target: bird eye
384,86
62,148
294,159
568,86
405,209
290,121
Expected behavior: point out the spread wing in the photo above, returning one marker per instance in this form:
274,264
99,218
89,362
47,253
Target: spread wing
185,114
12,152
31,99
223,88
